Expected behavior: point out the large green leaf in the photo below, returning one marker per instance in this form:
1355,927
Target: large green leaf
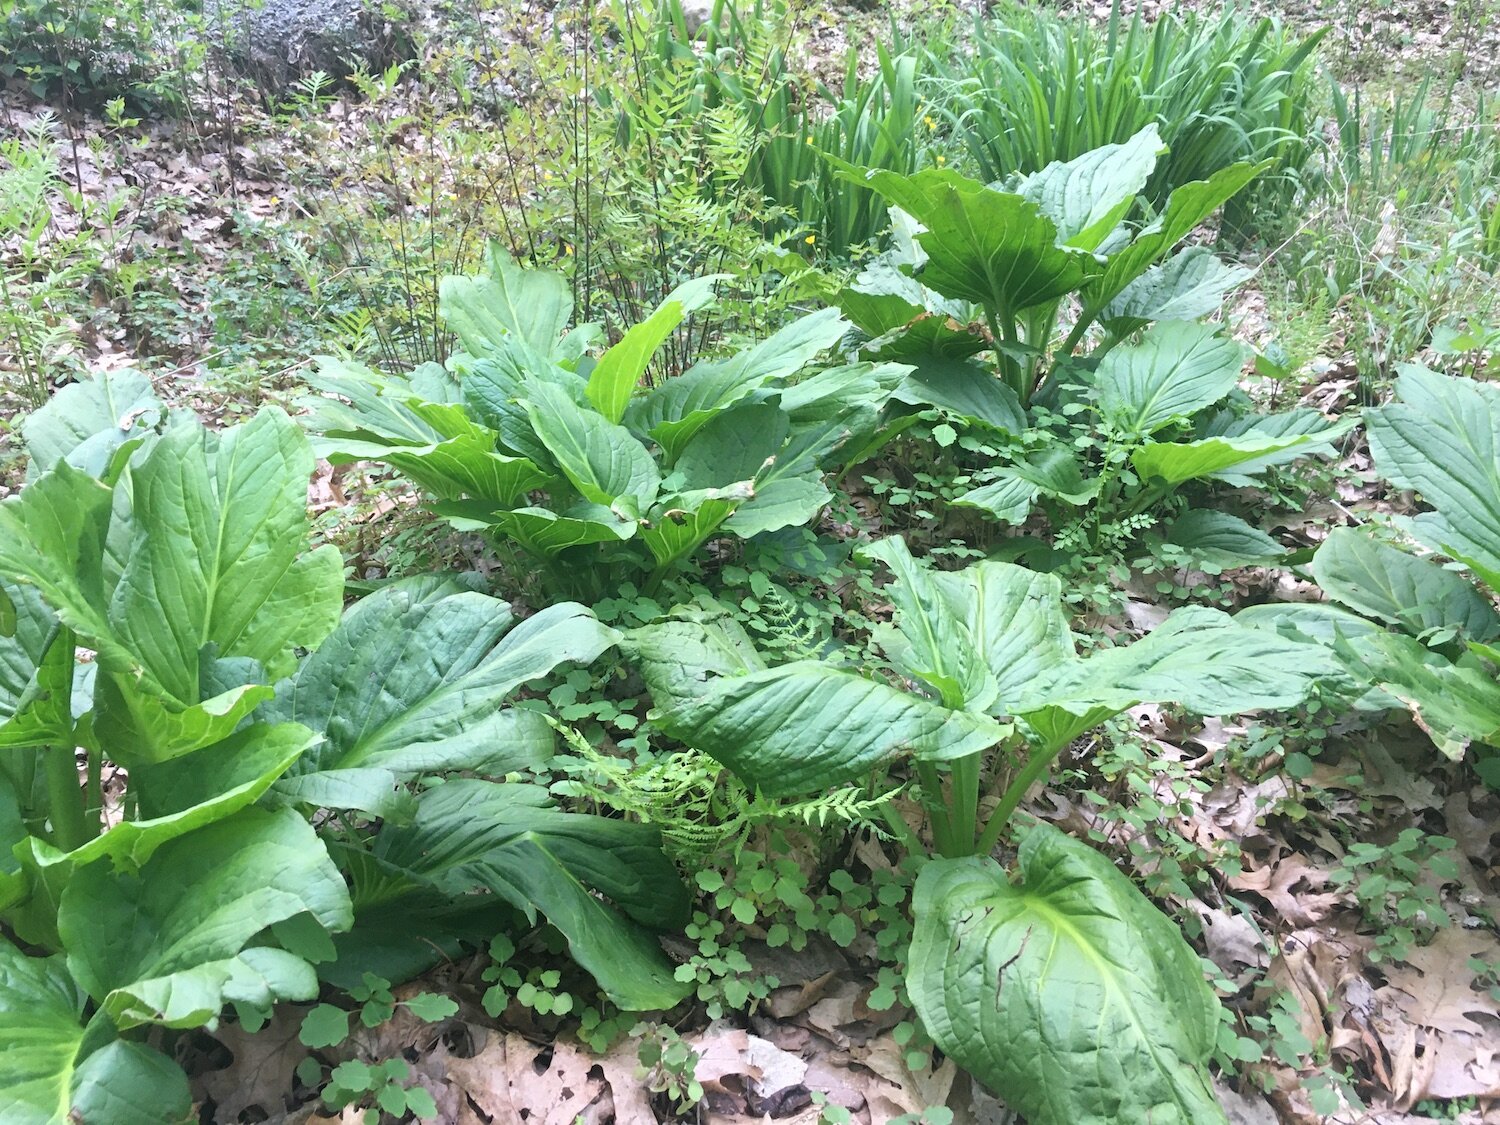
1223,540
991,638
1399,588
128,1083
991,247
176,798
619,370
680,523
437,444
983,636
1176,461
547,533
1177,369
1186,286
52,539
1014,619
889,306
1314,621
1186,208
789,489
967,391
680,656
416,678
803,727
492,391
36,672
1051,471
735,445
142,727
930,641
789,349
503,840
40,1025
1199,658
482,311
604,461
1319,431
1088,196
88,422
672,413
459,467
218,554
1443,440
1068,994
404,926
1456,704
212,574
842,393
168,946
1320,623
359,403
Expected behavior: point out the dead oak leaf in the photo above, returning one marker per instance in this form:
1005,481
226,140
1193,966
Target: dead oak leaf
260,1075
1291,885
1434,987
511,1079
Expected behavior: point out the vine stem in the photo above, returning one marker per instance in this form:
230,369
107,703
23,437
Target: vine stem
932,794
1034,770
963,805
1003,331
64,798
1075,337
93,809
904,831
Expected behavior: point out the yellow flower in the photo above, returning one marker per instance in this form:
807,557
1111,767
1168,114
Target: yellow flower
810,239
807,140
942,160
931,124
567,249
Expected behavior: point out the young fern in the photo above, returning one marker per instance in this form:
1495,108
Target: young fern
701,809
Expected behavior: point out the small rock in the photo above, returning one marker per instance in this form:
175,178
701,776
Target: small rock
280,41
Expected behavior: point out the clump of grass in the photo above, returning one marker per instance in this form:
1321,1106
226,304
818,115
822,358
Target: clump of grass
1035,88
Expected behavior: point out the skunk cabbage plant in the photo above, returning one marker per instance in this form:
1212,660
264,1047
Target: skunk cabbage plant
569,458
1416,632
162,609
998,269
993,267
1067,992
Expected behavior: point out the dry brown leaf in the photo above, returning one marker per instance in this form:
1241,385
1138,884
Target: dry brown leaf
1244,1108
509,1075
787,1002
260,1076
1475,835
774,1070
1456,1066
1434,988
722,1051
1396,769
1292,971
1233,943
1290,886
1237,807
630,1100
1316,967
928,1087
